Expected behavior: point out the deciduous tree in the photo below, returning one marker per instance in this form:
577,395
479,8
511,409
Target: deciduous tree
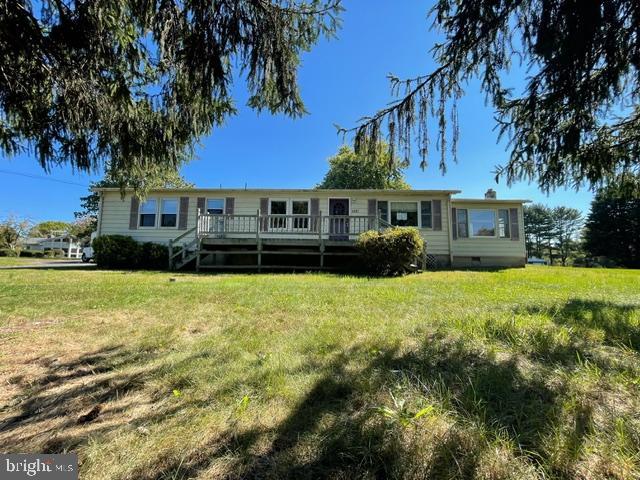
350,170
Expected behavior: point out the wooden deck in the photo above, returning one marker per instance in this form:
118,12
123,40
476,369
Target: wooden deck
270,241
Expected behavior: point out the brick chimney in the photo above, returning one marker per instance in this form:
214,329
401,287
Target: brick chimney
490,194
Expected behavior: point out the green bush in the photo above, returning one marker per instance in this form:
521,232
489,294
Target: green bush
31,254
7,252
153,256
391,252
116,251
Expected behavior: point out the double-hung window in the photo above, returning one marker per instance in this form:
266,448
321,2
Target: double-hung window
147,215
426,214
169,212
404,214
503,223
215,206
300,207
482,223
461,222
277,208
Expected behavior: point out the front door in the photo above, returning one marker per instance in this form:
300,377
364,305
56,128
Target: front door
339,219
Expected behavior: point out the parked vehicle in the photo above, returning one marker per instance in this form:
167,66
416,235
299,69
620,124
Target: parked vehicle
87,252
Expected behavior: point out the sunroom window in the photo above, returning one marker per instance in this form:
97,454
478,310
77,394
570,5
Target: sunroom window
404,214
169,212
482,223
148,213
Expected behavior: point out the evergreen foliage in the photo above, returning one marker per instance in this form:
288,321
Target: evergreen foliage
578,119
136,82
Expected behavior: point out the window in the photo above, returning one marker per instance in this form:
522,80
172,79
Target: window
425,214
482,223
278,207
461,222
383,210
300,207
148,213
503,223
215,206
404,214
169,212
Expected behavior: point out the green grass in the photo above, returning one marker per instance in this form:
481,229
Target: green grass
530,373
14,261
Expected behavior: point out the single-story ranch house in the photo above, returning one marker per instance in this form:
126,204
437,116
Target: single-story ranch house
261,228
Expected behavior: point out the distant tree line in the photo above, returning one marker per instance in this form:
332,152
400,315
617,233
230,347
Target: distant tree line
552,232
610,234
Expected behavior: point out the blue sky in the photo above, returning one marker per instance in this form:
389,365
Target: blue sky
341,80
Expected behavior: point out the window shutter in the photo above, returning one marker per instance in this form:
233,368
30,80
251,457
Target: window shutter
515,226
314,212
184,212
202,205
436,209
264,211
454,223
371,207
229,205
133,213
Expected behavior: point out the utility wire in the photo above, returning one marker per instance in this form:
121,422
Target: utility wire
42,177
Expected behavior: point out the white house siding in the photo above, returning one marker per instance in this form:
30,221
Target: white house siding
116,211
491,251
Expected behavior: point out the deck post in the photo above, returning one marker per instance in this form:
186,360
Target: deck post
198,253
258,241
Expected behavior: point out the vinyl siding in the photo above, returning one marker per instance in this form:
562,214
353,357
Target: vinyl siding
115,217
490,246
115,212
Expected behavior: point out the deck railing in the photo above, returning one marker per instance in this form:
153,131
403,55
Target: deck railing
337,227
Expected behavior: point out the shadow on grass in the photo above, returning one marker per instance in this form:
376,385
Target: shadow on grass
620,323
48,414
335,431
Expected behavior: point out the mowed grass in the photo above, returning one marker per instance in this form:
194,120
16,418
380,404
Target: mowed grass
525,373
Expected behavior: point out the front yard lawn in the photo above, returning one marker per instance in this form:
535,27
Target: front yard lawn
525,373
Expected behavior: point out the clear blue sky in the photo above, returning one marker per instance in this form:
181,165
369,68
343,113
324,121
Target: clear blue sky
341,80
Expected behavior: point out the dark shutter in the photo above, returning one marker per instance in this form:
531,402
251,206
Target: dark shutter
264,211
437,214
229,205
454,223
426,214
371,207
184,212
133,213
202,205
515,226
315,212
